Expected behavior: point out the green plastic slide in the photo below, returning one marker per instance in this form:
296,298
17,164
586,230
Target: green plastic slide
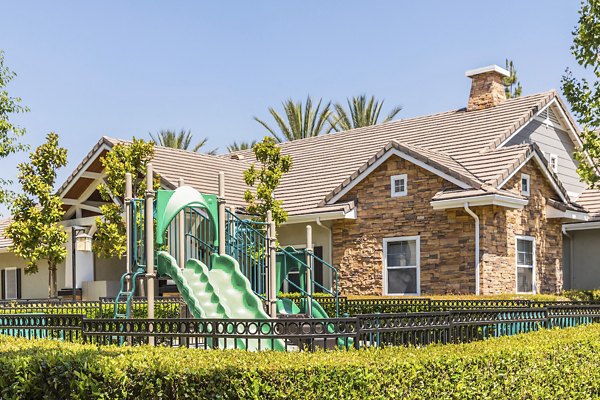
222,292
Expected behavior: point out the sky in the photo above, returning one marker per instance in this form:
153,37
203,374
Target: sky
126,68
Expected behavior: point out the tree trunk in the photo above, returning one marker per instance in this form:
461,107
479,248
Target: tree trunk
52,285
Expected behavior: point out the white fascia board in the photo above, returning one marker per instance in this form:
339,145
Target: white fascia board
406,157
484,200
326,216
552,212
544,167
582,226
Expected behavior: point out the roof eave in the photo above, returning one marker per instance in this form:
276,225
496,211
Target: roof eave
493,199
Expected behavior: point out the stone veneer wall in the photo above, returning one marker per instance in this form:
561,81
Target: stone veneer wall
447,246
487,90
500,228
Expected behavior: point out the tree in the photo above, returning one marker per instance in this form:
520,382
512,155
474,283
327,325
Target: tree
179,140
235,146
267,177
34,231
9,132
583,95
360,113
110,239
512,86
299,121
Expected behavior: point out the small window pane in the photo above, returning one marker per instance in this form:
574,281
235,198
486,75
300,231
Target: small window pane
401,254
402,281
524,279
525,185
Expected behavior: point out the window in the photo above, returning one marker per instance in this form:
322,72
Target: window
10,284
553,163
525,248
399,185
525,185
401,265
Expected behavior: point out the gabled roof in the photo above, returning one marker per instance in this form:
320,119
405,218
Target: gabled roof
460,145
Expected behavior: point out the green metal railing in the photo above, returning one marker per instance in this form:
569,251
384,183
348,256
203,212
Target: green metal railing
247,242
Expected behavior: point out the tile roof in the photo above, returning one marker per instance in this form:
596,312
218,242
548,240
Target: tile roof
460,143
4,241
590,200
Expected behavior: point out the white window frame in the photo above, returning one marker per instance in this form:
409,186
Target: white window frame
393,185
528,179
551,166
417,258
6,284
517,266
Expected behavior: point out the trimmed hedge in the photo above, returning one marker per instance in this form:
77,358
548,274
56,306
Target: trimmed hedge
541,365
139,310
582,295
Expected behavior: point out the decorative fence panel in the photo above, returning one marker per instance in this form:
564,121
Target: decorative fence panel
294,334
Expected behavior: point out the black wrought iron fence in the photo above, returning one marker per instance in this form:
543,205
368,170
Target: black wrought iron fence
291,333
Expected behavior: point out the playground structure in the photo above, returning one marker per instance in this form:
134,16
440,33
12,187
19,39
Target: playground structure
224,266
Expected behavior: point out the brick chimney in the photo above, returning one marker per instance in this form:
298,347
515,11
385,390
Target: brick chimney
487,88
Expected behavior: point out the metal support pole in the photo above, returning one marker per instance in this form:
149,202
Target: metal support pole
181,234
221,221
73,262
309,268
272,263
128,232
149,222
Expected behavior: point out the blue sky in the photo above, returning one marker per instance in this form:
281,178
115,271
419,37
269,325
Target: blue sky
126,68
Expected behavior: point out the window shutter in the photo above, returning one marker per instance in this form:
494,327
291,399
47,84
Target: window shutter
3,283
18,283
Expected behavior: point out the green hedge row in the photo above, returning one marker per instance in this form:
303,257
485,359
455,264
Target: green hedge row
582,295
542,365
161,310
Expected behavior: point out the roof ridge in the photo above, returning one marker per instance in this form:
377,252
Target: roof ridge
525,117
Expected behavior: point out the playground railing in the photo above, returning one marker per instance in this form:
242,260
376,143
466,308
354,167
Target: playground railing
368,330
247,242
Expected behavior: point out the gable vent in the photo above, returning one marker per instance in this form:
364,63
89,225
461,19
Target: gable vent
549,117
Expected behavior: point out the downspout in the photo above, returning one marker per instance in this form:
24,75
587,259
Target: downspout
571,256
329,243
476,218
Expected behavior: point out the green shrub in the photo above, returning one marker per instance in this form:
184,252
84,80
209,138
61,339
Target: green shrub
542,365
582,295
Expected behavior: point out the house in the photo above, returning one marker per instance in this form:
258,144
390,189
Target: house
484,199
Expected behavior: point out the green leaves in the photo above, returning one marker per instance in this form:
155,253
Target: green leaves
299,122
9,132
109,239
583,96
179,140
274,165
512,86
360,113
36,212
555,364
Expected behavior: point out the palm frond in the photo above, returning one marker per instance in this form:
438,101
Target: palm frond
360,112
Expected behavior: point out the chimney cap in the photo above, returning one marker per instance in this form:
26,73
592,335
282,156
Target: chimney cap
490,68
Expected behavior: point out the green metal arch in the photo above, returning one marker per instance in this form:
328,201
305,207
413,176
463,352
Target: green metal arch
170,202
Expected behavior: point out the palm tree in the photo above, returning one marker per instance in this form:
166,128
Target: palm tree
179,140
299,122
360,113
235,146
